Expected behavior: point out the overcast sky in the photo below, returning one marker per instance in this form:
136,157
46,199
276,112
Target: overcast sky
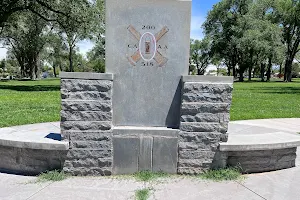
199,12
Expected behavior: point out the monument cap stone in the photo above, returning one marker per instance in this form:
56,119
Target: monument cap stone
147,50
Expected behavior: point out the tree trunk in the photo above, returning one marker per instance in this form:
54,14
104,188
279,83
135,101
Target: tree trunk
250,73
241,73
234,71
262,72
288,70
54,71
36,68
269,69
71,60
280,69
200,71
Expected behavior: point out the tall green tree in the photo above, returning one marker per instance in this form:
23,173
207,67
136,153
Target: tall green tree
25,39
222,26
287,12
200,54
80,24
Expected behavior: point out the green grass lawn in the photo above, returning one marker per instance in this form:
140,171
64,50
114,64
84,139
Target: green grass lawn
257,100
26,102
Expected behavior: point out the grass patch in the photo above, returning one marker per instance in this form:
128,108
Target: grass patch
142,194
28,102
149,176
52,176
264,100
227,174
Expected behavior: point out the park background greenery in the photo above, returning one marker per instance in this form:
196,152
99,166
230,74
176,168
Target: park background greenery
248,39
26,102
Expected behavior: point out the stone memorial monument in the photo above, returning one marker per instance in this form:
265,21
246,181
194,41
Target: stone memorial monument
145,113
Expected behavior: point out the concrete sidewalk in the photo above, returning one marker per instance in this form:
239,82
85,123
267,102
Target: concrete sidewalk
279,185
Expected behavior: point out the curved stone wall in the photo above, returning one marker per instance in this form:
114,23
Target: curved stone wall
28,161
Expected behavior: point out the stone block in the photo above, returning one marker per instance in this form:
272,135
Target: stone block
214,88
190,171
90,144
200,97
86,95
78,85
207,79
165,154
74,154
91,171
87,135
195,108
206,117
69,105
89,163
198,154
200,137
126,154
85,126
220,160
85,116
191,163
204,127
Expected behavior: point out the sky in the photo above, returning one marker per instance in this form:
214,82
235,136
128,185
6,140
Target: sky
200,9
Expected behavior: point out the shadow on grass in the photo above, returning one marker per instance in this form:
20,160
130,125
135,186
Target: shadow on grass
31,87
277,90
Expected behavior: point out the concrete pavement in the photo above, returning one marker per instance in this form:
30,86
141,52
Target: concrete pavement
278,185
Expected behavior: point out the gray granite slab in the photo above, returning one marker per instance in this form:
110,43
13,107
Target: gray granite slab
147,50
145,131
165,155
208,79
85,75
145,154
126,154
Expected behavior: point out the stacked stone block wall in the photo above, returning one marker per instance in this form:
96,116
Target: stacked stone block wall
262,161
86,122
204,123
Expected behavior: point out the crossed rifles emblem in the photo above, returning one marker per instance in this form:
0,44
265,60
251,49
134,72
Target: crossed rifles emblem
161,60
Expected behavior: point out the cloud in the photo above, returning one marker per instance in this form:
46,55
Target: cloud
196,30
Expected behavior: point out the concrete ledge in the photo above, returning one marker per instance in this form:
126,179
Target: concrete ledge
55,145
145,131
268,141
32,149
208,79
86,75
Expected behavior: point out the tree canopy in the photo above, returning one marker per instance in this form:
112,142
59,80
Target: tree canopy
38,33
254,34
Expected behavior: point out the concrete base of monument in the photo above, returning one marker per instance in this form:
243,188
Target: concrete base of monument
144,148
260,149
31,149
